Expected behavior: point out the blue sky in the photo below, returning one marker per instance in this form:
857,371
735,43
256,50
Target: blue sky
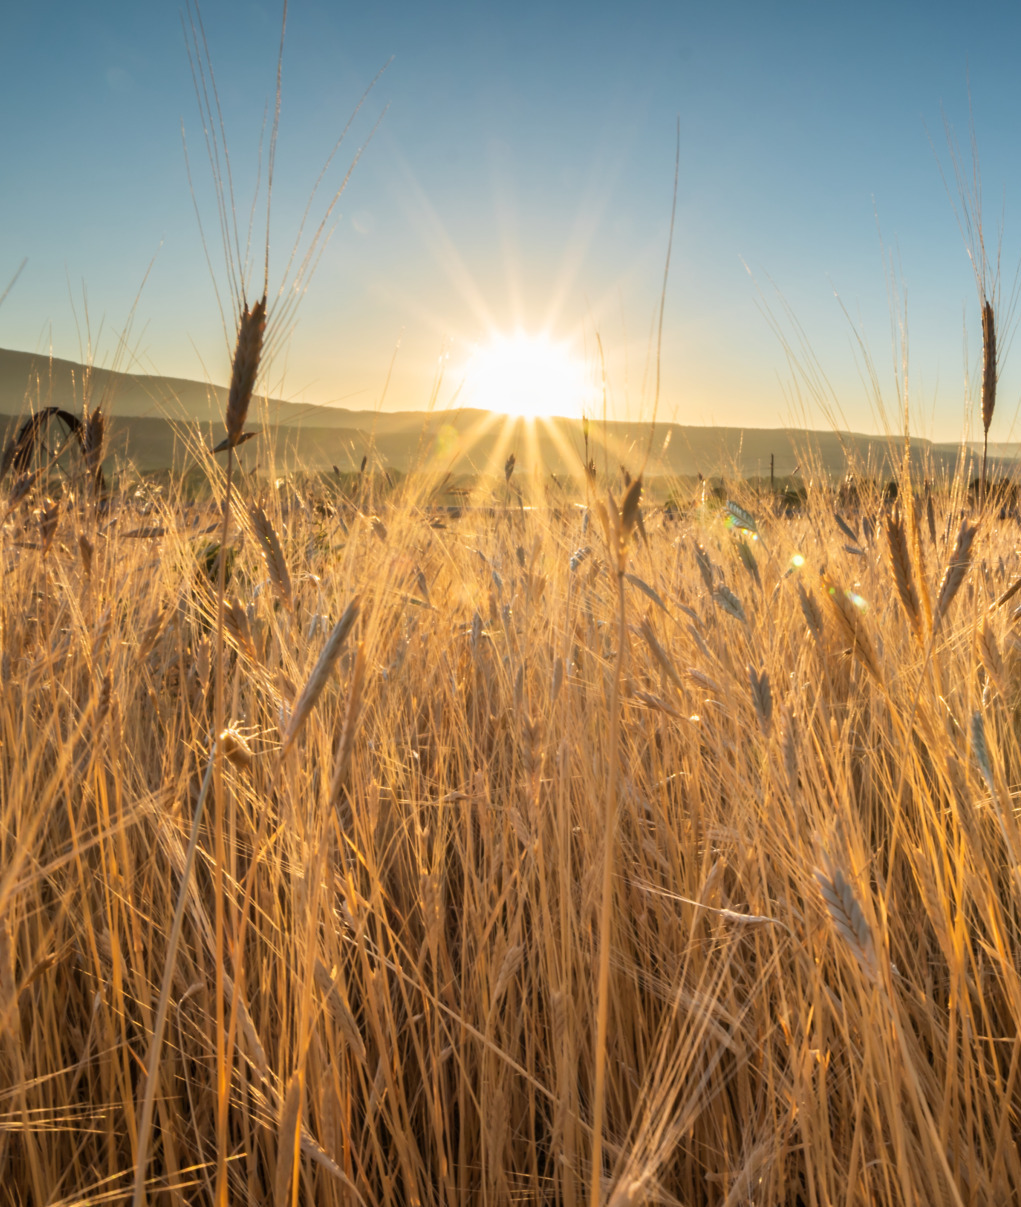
522,177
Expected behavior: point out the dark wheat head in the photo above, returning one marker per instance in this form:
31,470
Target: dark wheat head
988,364
251,330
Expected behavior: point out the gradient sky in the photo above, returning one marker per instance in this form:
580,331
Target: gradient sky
522,177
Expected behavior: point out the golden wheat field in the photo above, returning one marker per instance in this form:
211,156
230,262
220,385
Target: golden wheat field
578,853
571,846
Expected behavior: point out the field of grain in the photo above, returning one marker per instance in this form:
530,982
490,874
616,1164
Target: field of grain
484,848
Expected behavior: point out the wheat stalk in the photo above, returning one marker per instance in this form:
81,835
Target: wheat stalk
273,556
148,1098
729,602
762,697
20,490
630,514
245,369
288,1140
900,563
256,1052
48,517
660,654
705,566
846,914
811,612
86,549
336,1003
992,659
320,675
980,749
749,562
558,680
703,680
93,445
741,518
235,619
347,733
578,556
956,571
851,624
989,376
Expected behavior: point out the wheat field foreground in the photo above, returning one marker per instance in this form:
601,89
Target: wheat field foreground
352,951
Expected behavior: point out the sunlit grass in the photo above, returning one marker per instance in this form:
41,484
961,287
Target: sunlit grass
814,910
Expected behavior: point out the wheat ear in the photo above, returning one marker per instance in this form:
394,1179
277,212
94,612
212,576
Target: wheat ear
247,353
273,556
992,659
660,654
347,734
320,674
851,625
956,571
900,563
846,913
93,440
988,380
762,697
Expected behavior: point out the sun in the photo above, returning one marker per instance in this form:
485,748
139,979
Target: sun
526,376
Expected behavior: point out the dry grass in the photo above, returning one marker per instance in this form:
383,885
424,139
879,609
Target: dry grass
811,913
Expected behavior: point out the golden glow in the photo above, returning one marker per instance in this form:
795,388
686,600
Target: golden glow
526,376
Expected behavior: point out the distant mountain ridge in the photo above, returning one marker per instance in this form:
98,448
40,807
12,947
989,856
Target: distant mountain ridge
29,380
156,420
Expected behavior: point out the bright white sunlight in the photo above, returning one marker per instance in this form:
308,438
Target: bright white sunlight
527,376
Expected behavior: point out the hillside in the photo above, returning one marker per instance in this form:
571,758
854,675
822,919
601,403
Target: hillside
155,421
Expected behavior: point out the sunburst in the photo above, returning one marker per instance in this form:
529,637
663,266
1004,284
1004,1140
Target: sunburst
527,376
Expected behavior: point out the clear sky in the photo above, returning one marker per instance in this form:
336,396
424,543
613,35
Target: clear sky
521,178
